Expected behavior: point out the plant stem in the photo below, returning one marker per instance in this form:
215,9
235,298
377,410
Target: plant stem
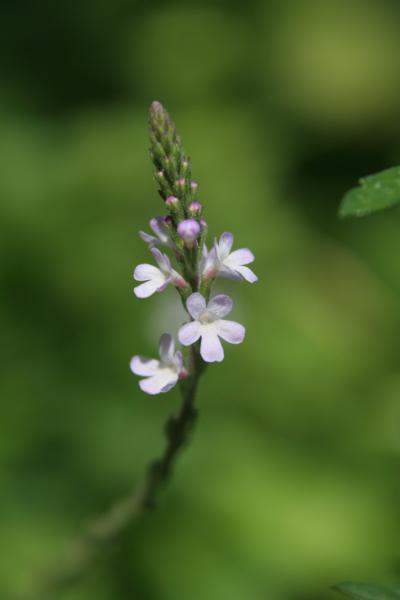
105,529
177,429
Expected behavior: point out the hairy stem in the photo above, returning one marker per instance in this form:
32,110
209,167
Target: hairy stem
106,529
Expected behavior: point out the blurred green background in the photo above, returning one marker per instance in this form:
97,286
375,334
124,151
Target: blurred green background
292,480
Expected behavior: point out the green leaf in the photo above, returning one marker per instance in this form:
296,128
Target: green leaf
375,192
365,591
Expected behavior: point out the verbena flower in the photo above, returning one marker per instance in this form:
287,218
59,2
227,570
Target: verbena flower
161,375
221,261
156,279
160,229
209,325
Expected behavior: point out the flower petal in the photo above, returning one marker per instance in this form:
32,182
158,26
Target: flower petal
189,333
230,331
161,382
231,274
224,245
196,305
140,365
157,224
145,272
220,305
244,256
162,260
146,237
167,348
247,274
149,288
210,264
211,349
178,359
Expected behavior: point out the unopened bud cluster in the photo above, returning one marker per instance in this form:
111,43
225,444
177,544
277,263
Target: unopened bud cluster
183,232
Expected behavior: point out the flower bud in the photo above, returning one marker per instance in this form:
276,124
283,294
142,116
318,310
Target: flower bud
203,224
183,373
156,108
181,182
159,117
195,208
185,168
172,202
194,185
179,281
189,230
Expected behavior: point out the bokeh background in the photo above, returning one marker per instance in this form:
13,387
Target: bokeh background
291,482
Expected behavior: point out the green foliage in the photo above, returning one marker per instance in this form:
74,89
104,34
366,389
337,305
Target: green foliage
375,192
365,591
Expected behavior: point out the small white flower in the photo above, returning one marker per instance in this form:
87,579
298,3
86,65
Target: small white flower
209,325
221,261
161,375
160,229
156,279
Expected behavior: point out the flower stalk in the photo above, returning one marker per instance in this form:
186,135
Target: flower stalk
182,232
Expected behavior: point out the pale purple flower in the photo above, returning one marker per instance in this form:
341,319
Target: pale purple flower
156,278
209,325
189,230
221,261
161,375
160,229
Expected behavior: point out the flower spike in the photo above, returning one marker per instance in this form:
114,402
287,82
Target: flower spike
183,231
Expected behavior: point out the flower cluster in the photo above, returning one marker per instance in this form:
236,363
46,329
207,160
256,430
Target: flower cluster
183,232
